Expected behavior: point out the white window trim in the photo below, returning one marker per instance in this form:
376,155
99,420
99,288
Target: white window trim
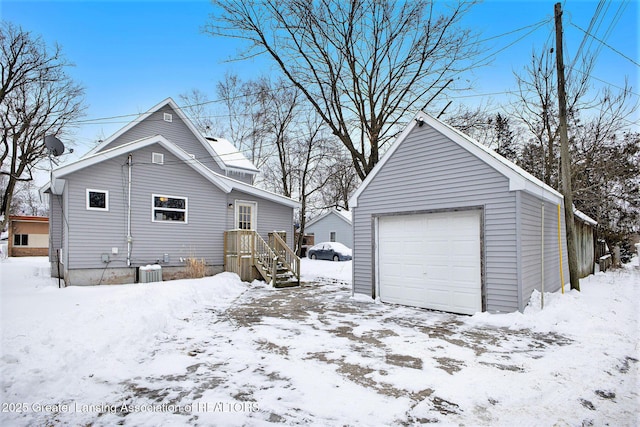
167,117
160,158
106,199
254,213
186,209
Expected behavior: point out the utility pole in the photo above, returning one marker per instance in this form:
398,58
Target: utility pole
565,161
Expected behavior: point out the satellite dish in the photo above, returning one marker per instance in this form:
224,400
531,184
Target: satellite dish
54,145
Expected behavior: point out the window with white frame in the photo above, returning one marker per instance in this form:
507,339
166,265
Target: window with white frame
245,215
157,158
168,117
332,236
97,200
169,208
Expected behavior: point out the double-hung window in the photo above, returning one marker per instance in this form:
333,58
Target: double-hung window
169,208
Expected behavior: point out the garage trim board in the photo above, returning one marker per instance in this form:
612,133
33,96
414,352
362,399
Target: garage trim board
431,260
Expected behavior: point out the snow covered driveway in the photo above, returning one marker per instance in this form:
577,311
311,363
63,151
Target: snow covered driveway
219,352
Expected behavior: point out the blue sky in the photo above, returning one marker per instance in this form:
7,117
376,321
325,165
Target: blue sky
131,55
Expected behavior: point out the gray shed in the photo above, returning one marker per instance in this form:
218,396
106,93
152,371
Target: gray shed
332,226
443,222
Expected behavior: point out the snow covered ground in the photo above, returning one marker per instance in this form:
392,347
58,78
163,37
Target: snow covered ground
217,351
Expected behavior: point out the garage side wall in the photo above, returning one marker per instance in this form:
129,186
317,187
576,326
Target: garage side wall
534,266
427,173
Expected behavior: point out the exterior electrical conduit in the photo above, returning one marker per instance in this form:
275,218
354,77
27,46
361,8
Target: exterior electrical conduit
560,250
129,239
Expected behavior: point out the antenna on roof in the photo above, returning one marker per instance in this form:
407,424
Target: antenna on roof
54,145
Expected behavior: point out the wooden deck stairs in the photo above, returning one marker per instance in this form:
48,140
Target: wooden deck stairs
247,254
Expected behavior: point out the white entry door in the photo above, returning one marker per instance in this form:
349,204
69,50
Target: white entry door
431,261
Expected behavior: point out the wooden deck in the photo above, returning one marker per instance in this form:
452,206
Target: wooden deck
248,255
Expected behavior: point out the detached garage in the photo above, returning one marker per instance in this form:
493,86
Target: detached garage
444,223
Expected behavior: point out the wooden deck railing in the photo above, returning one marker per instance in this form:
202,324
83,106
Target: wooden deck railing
265,259
244,249
286,255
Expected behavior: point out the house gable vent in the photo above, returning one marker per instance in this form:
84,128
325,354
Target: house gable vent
168,117
157,158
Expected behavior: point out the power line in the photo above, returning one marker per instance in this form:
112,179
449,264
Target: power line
605,44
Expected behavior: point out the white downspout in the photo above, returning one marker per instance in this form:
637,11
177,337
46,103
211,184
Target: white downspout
542,259
129,238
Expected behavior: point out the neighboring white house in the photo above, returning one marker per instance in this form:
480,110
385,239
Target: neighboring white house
332,226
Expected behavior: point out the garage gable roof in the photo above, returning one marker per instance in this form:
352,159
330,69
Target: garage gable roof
225,183
519,179
340,214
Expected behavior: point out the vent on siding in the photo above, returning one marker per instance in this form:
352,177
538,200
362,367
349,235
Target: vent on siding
157,158
168,117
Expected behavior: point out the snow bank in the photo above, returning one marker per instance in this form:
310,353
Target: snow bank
314,269
573,362
76,338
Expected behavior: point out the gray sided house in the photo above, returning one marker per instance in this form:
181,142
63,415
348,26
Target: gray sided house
332,226
444,223
156,192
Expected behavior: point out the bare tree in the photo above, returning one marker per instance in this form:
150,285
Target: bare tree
279,108
313,168
474,122
342,181
37,98
245,124
361,64
195,104
27,201
537,106
494,131
606,169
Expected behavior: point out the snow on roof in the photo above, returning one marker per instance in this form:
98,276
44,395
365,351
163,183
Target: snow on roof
230,155
584,217
346,214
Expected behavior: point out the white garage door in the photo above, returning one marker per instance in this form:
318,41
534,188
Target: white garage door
431,261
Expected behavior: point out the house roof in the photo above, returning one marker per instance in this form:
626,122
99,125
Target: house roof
225,183
25,218
230,155
584,217
225,154
343,215
519,179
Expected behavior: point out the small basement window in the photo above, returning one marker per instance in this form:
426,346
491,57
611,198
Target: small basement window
169,208
20,240
157,158
97,200
168,117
